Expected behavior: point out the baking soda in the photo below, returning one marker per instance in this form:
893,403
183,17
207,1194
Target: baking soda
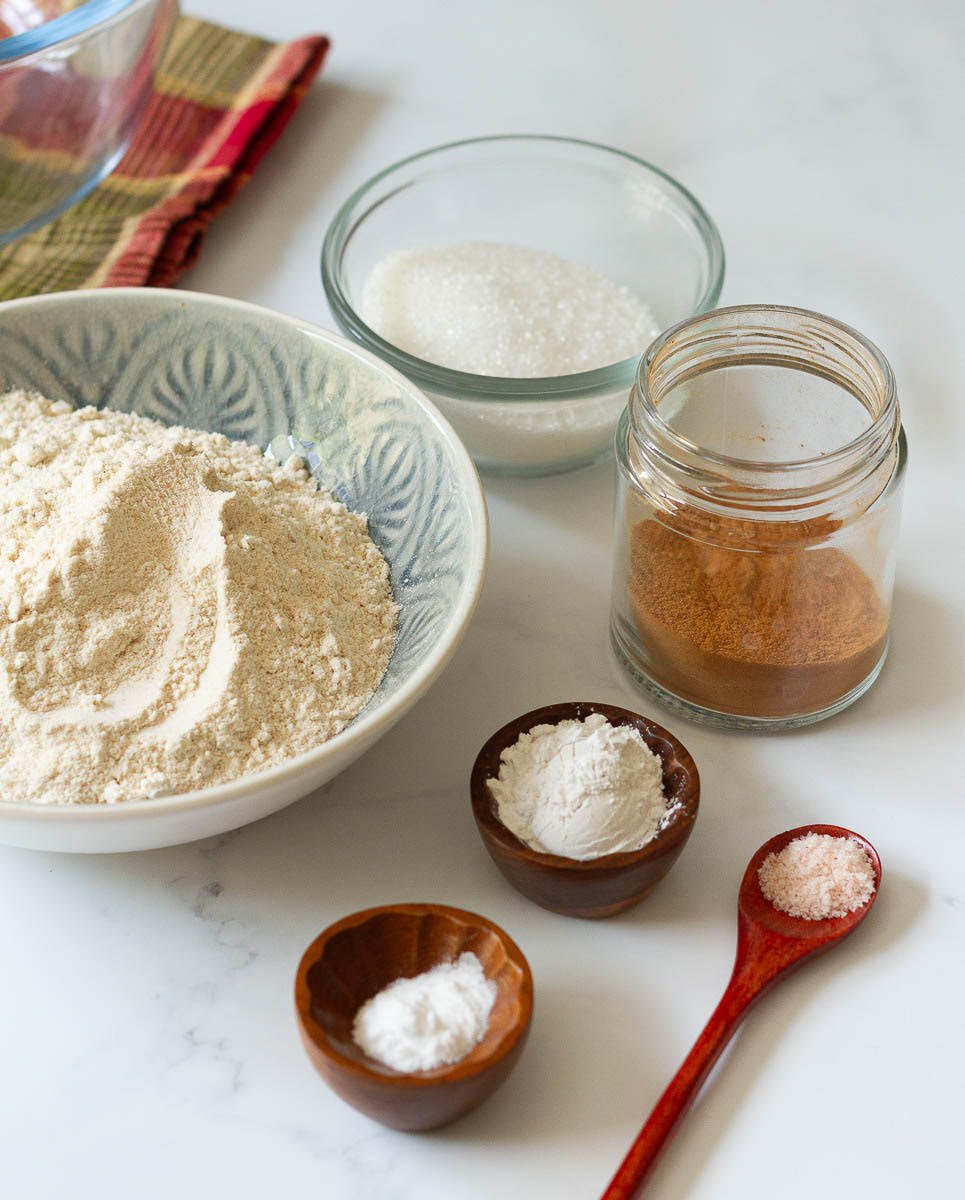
428,1021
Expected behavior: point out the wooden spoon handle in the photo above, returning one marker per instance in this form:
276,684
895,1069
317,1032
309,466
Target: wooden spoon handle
683,1088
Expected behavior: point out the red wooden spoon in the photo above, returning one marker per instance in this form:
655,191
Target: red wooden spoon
770,945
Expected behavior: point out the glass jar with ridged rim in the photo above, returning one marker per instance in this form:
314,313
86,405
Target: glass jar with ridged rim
761,462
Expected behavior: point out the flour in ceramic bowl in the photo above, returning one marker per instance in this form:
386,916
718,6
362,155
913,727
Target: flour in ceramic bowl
176,610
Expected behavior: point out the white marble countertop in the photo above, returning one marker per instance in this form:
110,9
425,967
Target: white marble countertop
149,1047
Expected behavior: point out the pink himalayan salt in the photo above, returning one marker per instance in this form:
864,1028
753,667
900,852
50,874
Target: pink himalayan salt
818,876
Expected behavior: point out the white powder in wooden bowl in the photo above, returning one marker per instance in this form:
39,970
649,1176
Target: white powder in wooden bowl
581,789
818,876
428,1021
176,610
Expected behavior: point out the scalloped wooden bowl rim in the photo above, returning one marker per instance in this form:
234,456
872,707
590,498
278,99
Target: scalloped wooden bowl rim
677,828
466,1067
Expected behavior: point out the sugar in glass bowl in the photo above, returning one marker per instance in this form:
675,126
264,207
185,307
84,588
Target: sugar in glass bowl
584,202
367,434
74,83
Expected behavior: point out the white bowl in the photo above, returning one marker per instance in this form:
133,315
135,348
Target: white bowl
369,434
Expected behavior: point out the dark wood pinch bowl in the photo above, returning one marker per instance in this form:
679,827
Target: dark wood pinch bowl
598,887
357,957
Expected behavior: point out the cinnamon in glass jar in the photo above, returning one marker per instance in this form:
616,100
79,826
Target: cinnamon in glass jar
761,462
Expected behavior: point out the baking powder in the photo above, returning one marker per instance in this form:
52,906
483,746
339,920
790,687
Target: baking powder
581,788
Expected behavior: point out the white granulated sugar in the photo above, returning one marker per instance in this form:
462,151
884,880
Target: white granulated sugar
581,788
817,876
429,1021
176,610
493,309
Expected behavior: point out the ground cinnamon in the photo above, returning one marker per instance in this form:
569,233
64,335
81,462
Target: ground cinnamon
752,618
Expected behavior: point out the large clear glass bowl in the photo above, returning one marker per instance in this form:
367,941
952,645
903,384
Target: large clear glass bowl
74,83
583,201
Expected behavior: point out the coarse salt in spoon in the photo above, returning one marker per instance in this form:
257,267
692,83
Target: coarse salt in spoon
770,945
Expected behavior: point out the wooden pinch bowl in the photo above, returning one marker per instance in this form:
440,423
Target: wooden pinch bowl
597,887
357,957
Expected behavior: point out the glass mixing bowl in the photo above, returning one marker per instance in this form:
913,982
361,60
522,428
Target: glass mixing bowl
583,201
74,82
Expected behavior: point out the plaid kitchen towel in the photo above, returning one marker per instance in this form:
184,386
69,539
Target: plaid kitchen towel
220,100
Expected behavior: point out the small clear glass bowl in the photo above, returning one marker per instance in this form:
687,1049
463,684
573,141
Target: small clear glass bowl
585,202
74,83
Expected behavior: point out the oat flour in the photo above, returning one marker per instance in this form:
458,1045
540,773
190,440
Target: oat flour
176,610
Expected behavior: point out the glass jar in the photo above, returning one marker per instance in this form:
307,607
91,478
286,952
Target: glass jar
761,461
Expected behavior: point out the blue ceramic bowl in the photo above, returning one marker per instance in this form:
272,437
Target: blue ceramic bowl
368,434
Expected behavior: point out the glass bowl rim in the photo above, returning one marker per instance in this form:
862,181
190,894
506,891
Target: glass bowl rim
464,384
74,23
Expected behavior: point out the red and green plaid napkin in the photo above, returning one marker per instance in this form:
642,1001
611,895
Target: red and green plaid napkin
220,100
